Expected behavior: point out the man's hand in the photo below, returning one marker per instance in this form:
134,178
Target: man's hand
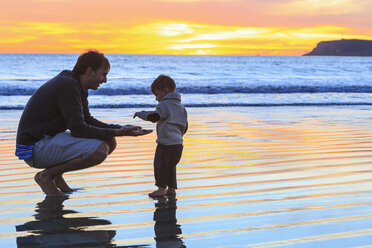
126,130
128,125
130,130
139,132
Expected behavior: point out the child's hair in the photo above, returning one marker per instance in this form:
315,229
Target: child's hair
163,82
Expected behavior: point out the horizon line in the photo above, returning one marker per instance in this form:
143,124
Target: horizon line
157,54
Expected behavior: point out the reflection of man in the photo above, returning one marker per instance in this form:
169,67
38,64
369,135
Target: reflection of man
61,104
52,229
166,228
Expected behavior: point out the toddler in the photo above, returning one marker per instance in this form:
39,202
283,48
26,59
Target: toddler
171,118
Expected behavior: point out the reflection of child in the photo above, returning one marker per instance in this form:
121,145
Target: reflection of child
171,118
167,231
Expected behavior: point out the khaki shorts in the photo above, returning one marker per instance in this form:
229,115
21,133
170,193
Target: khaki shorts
52,151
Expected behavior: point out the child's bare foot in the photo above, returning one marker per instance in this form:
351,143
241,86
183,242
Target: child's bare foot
161,192
171,191
62,185
47,184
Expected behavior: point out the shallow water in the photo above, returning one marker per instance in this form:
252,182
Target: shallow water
249,177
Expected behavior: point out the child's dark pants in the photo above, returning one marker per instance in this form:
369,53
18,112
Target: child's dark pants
165,161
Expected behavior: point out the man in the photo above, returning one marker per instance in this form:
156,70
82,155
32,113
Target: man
61,104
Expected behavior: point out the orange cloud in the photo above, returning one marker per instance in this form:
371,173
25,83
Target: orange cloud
165,37
321,7
285,27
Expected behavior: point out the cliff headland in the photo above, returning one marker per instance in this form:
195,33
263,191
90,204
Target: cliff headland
344,47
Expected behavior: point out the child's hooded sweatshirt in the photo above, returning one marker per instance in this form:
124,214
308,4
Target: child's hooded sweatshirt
171,118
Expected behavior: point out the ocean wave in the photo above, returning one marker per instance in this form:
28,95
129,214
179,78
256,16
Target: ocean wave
16,91
267,89
112,106
207,105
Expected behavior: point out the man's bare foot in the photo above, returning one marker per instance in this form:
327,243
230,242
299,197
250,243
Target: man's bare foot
62,185
47,185
158,193
171,191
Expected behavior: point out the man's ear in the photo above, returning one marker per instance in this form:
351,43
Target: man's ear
89,71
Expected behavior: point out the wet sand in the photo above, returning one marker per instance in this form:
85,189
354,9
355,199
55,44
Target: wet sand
249,177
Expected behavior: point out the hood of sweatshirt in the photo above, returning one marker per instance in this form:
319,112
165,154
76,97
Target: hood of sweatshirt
172,96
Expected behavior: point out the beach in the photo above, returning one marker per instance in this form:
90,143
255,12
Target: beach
280,176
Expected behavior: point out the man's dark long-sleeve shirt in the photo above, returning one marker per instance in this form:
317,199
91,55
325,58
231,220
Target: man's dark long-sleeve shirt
58,105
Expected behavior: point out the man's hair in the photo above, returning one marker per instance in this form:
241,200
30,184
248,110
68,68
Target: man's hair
163,82
92,59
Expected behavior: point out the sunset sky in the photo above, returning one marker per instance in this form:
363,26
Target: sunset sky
266,27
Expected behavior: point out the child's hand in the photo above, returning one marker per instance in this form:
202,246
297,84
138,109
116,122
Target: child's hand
140,115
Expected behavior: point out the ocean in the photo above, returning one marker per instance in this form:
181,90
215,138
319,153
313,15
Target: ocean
204,81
